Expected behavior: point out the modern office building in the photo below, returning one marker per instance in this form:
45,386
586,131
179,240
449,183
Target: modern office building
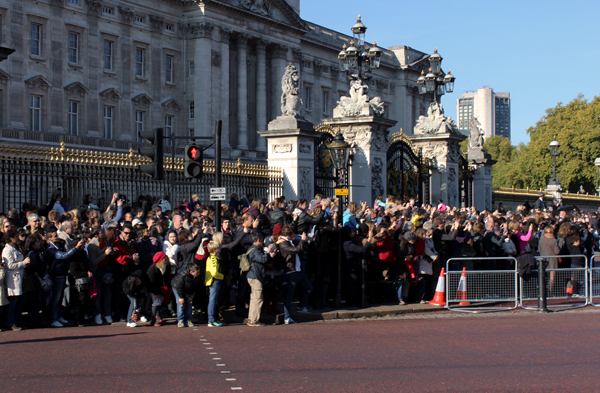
92,73
490,108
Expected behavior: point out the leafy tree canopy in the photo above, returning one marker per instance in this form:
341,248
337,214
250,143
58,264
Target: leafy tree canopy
576,128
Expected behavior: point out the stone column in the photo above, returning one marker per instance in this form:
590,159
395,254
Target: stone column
443,150
261,92
201,32
242,91
369,135
482,178
225,71
278,64
290,144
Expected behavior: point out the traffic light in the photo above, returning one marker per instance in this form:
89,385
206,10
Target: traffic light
154,152
193,162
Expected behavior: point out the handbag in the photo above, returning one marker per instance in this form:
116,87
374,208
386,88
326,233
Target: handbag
83,283
45,281
560,260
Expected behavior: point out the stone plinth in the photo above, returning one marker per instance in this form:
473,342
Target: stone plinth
290,144
442,149
482,178
369,137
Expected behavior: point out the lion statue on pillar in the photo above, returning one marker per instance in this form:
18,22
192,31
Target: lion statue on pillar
291,103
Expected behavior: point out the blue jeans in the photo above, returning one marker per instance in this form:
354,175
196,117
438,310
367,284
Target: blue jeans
184,311
398,286
58,290
102,300
291,281
132,305
213,299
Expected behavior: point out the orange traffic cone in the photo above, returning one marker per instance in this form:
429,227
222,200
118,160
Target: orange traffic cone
461,292
439,299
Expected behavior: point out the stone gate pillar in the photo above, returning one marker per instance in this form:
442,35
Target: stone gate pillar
360,120
482,161
439,140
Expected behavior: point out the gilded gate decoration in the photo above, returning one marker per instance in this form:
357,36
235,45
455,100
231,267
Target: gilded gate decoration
406,172
325,176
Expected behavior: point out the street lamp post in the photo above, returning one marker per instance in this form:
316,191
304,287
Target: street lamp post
597,163
359,56
554,146
339,151
435,80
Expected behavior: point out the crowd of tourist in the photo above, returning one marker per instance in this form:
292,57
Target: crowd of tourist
150,261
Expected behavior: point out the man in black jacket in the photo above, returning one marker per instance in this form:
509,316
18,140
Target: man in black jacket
278,215
305,220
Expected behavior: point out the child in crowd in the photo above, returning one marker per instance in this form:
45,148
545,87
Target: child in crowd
213,280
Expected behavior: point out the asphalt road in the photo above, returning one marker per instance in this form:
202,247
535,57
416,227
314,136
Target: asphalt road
523,351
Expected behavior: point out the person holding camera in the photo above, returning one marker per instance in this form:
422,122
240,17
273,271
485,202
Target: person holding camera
126,258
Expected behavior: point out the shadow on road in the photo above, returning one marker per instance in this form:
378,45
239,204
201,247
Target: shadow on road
67,338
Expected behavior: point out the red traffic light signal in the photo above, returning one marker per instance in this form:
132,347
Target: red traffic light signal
193,162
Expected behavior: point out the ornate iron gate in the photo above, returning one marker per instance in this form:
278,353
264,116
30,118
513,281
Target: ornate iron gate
465,181
407,176
325,179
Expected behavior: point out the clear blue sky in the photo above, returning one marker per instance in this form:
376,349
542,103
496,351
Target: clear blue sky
540,51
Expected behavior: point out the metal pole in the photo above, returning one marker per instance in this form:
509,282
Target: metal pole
218,170
554,168
338,296
364,283
172,194
542,307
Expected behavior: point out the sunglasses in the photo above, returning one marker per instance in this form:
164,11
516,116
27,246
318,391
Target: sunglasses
126,233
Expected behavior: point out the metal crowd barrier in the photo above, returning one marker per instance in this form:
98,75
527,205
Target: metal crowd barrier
594,279
561,284
480,289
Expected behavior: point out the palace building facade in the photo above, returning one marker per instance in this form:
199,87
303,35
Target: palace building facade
92,73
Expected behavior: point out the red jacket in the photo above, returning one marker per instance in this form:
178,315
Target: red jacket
385,250
123,252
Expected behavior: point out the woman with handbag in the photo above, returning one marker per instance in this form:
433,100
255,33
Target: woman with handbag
80,269
15,263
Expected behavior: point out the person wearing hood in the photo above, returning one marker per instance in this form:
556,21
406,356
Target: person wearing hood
352,214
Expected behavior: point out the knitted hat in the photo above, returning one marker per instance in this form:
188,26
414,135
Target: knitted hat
159,256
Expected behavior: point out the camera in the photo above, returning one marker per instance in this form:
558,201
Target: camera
123,198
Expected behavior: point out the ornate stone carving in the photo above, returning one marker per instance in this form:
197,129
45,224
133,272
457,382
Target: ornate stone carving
452,186
359,135
453,152
215,58
157,22
297,55
225,34
279,51
280,149
183,28
201,29
241,39
38,82
171,105
261,45
435,121
76,88
359,103
305,190
376,179
304,148
142,99
291,103
488,196
110,95
475,134
434,151
126,14
94,6
380,138
259,6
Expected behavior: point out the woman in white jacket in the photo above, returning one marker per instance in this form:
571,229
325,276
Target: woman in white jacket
14,262
171,248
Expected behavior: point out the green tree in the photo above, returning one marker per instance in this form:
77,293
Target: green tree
576,128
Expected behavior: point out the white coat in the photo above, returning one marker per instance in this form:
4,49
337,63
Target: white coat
14,265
